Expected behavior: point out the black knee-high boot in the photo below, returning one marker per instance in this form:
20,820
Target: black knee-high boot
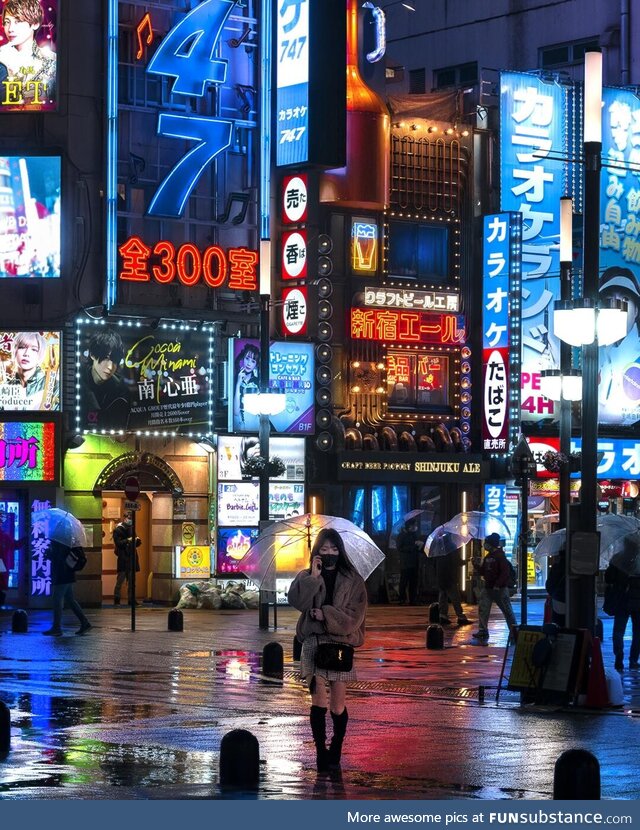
339,729
317,718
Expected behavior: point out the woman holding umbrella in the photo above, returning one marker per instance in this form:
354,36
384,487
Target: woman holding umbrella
332,599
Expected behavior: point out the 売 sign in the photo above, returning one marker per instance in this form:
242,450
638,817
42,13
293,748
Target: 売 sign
294,199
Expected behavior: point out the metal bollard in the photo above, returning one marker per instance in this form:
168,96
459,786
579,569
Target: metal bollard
273,660
175,620
19,622
576,776
480,694
434,613
239,760
5,728
297,649
435,637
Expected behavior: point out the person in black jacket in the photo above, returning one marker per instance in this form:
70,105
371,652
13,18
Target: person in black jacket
123,542
555,586
409,548
624,575
448,580
63,576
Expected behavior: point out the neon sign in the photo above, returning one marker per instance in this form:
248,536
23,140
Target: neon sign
408,298
39,546
27,451
236,268
185,55
145,23
407,326
292,81
364,246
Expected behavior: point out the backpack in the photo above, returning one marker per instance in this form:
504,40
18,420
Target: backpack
512,585
76,559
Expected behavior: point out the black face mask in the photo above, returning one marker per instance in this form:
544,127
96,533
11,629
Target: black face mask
329,560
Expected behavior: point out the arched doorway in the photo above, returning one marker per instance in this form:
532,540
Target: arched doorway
159,486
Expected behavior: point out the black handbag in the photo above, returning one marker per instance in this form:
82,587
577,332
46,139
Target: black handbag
334,656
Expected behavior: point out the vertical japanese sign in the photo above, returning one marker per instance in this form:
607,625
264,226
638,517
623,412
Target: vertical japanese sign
533,140
619,389
500,335
39,547
292,82
27,451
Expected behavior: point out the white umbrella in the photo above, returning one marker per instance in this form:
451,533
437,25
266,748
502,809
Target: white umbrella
614,530
550,545
60,526
291,540
441,542
476,524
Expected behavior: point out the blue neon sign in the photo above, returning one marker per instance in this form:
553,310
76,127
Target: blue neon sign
292,82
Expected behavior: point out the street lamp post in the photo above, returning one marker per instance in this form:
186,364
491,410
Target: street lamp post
266,597
566,255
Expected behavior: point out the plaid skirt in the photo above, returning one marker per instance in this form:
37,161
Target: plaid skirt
308,668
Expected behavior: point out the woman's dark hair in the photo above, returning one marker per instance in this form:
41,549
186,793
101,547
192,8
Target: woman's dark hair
328,534
249,348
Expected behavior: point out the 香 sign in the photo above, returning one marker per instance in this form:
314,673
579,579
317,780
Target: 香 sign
294,255
139,378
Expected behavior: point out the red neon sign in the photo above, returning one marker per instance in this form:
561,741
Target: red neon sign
395,326
144,24
237,268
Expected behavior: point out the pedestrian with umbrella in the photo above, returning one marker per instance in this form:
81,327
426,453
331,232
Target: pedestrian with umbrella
409,545
332,598
66,554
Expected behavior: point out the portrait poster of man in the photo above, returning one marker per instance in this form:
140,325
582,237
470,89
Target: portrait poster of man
30,217
28,56
30,371
139,378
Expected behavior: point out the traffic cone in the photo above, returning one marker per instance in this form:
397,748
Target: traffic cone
597,695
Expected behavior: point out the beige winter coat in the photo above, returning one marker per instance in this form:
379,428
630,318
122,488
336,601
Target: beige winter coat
344,621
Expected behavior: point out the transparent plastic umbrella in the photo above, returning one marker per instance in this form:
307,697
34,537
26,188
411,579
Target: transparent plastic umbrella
550,545
476,524
614,531
441,542
60,526
283,548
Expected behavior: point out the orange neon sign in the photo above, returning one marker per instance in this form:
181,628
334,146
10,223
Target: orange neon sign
144,23
235,268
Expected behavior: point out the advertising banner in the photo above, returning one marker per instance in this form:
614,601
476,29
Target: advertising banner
30,371
620,254
533,140
30,217
233,544
193,562
27,451
291,372
285,500
234,450
28,54
139,378
239,503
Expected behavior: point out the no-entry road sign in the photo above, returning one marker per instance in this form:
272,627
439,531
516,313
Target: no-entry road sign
132,488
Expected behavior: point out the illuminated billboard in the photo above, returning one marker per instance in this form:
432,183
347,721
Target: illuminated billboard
28,56
233,544
30,217
416,327
310,56
533,141
291,372
27,451
30,371
134,377
619,387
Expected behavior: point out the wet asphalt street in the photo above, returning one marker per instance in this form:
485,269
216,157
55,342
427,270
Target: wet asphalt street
117,714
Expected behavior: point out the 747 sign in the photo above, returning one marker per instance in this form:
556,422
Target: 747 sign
186,55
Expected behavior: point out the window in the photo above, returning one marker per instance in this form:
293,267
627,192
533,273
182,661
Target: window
418,380
418,251
565,54
417,81
455,76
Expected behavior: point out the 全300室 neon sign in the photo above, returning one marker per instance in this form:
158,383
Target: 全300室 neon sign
235,268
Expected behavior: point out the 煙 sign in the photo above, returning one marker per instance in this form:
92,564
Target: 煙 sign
294,311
